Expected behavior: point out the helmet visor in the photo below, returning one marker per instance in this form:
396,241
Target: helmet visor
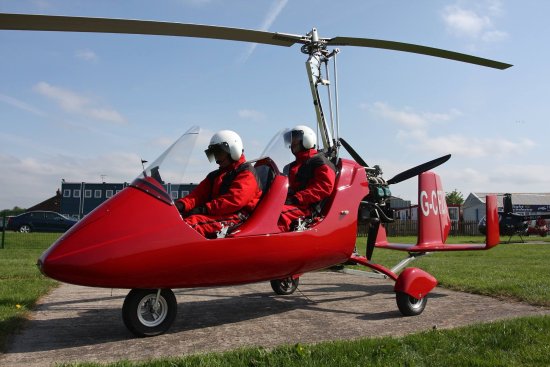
217,149
292,134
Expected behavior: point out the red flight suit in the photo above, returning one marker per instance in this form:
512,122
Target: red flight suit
311,179
228,195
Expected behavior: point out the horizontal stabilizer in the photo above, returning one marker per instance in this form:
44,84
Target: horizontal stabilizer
432,247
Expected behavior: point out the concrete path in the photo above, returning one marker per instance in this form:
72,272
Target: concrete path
84,324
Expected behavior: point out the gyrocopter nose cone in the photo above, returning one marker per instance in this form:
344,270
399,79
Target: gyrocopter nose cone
39,265
90,252
113,245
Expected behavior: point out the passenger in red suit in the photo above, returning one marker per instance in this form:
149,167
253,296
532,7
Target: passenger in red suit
311,178
228,195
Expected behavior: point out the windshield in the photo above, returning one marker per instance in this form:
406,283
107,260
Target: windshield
279,150
184,164
174,160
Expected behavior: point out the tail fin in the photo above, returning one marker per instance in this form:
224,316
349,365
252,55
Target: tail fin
434,223
493,232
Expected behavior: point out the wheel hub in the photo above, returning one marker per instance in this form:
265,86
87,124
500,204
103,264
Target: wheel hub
151,313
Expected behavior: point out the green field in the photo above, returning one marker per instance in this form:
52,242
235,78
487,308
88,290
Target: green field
511,271
520,342
21,284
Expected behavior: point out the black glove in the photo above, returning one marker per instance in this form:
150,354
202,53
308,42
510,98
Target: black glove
180,207
291,200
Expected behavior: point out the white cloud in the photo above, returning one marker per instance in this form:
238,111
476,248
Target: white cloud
465,22
106,114
32,180
414,134
252,115
465,146
86,55
408,118
476,24
276,8
20,105
71,102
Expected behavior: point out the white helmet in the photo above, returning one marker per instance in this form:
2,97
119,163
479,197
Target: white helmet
306,135
228,141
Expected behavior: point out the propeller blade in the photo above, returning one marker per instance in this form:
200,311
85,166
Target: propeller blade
415,171
371,239
353,153
417,49
33,22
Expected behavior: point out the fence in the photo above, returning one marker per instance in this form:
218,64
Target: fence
17,240
409,228
35,240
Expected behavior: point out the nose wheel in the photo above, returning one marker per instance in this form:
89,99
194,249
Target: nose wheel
410,306
149,312
285,286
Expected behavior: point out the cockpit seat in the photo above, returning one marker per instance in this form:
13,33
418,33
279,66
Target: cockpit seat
265,216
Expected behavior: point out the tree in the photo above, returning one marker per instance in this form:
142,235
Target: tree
454,198
15,211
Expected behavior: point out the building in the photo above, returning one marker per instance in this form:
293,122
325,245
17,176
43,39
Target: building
52,204
80,198
523,203
411,212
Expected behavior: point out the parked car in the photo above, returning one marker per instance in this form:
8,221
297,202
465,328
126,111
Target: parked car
5,222
40,221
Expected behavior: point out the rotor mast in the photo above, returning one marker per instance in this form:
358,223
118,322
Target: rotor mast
316,48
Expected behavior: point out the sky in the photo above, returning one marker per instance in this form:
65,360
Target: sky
88,107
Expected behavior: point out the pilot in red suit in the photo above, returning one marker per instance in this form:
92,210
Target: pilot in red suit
311,177
227,195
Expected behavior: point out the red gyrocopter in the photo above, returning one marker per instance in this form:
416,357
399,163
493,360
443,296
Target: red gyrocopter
138,240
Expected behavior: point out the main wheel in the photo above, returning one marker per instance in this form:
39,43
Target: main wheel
25,228
145,317
285,286
410,306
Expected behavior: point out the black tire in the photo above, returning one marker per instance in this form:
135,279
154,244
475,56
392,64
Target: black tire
140,316
25,228
285,286
410,306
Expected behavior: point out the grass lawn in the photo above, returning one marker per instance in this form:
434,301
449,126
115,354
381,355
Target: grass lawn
21,284
517,271
519,342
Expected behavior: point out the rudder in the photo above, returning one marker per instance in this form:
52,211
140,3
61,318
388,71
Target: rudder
434,223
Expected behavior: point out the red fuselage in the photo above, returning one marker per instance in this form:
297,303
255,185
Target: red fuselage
136,240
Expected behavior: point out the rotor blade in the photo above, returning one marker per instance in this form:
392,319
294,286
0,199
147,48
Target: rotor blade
353,153
415,171
32,22
417,49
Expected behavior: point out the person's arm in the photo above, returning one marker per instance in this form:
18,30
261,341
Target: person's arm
319,187
242,190
196,198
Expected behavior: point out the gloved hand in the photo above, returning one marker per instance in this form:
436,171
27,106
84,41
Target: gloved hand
180,207
291,200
